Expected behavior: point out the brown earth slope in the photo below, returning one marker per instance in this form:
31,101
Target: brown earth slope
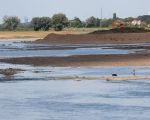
95,38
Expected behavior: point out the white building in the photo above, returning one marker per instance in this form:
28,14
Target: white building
136,22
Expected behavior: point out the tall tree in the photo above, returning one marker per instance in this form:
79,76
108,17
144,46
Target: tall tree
59,21
76,22
11,22
41,23
36,23
93,22
45,23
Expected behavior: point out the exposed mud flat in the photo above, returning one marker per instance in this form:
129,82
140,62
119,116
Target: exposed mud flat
84,60
65,55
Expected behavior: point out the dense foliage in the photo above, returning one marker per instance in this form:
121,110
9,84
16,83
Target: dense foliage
11,22
41,23
93,22
145,18
76,22
59,21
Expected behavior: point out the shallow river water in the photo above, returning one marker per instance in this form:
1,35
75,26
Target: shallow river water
32,95
16,49
72,100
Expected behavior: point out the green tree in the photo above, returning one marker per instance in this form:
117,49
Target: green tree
59,21
92,22
41,23
76,22
129,19
35,22
45,23
106,22
83,24
147,21
11,22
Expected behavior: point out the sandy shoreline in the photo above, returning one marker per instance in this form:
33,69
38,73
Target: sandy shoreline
22,35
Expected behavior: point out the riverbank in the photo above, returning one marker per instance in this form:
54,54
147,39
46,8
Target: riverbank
110,38
75,36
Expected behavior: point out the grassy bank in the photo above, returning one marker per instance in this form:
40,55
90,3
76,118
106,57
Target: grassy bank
4,35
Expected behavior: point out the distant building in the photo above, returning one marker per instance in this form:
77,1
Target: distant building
136,22
114,16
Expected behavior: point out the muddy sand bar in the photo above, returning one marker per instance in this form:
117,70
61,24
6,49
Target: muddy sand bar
84,60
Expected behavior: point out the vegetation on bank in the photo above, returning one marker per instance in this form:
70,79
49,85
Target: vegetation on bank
60,21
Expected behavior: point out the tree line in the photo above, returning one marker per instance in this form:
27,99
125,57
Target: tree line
60,21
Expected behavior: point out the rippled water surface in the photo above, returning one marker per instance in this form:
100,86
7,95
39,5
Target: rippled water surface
32,95
16,49
72,100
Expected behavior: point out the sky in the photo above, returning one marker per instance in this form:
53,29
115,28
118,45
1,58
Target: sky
74,8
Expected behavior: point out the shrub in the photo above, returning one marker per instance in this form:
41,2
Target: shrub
59,21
